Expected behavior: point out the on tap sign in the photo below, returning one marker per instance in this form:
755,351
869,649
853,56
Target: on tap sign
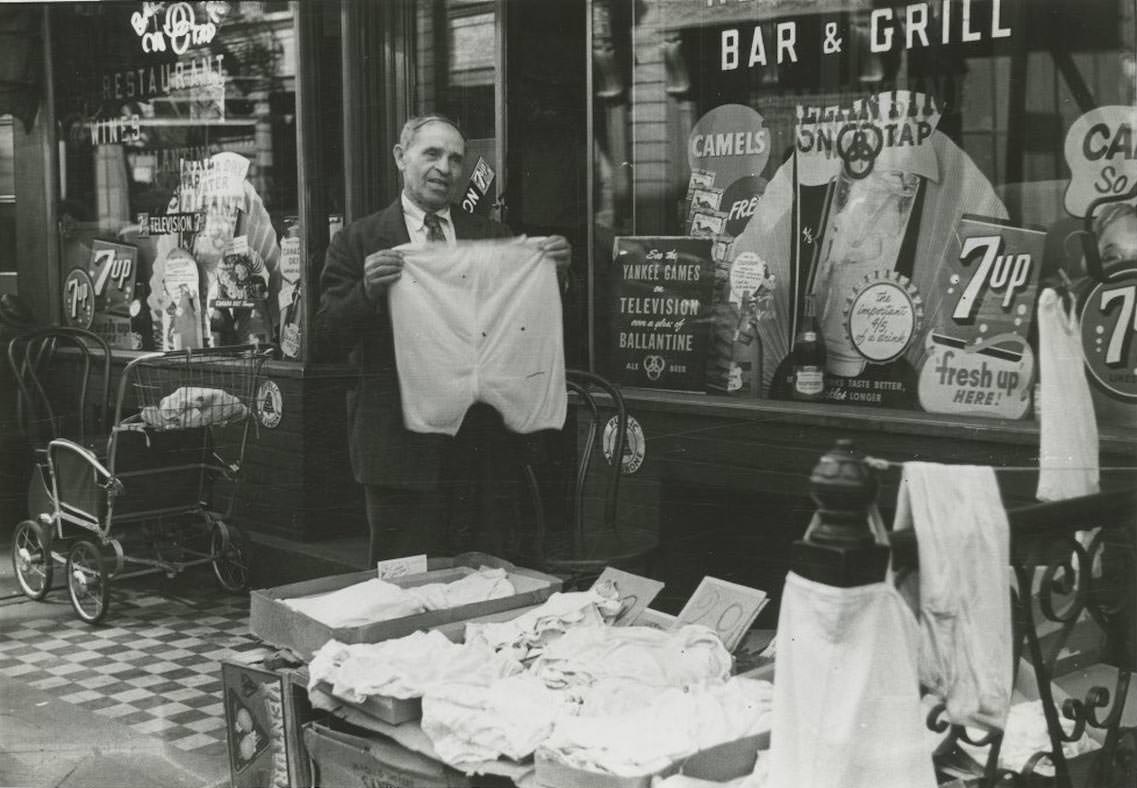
660,308
977,359
1101,151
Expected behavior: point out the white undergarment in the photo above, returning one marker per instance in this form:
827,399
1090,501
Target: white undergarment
526,636
404,667
479,322
377,600
673,725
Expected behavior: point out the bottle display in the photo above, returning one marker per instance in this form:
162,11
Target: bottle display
809,354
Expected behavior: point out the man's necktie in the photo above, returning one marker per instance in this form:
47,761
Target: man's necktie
433,227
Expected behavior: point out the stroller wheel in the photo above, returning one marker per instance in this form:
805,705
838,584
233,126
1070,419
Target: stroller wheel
31,558
230,557
88,582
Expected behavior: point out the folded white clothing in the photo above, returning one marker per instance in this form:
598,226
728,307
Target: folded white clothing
646,656
1025,735
673,726
405,667
526,636
469,724
377,600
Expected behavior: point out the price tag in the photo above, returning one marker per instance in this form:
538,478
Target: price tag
727,608
401,567
634,592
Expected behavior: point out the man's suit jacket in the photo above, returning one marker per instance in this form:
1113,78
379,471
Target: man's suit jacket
382,450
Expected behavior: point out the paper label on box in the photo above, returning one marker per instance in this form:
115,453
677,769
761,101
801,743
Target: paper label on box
401,567
727,608
634,592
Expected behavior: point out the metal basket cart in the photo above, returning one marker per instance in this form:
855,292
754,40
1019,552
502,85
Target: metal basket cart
156,500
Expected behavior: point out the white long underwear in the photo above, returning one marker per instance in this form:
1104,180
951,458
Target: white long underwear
479,322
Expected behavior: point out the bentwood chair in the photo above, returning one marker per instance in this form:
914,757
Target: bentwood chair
580,555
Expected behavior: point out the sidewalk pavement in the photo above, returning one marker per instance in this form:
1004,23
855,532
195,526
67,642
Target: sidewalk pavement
58,728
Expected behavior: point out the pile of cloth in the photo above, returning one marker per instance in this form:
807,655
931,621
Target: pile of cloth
377,600
194,406
591,674
527,636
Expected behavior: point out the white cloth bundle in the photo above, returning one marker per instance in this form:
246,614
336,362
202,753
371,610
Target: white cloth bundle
377,600
629,656
405,667
194,406
526,636
674,725
470,724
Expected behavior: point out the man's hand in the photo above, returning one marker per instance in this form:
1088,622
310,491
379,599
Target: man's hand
559,250
380,270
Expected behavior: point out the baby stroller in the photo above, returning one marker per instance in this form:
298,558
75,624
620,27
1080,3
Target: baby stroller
146,492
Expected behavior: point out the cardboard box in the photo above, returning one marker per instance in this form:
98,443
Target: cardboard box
344,760
264,710
274,622
721,763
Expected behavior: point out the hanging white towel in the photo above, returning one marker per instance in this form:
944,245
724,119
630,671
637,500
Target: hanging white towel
1068,432
963,594
479,322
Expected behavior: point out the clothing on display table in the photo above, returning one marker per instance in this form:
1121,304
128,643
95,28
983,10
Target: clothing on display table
377,600
844,717
961,591
404,667
479,322
526,636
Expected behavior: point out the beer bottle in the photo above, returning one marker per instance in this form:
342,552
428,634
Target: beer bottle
808,358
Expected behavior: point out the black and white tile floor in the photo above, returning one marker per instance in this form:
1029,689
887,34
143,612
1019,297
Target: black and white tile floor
153,664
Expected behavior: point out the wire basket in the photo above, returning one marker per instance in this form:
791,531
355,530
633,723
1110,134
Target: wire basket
185,389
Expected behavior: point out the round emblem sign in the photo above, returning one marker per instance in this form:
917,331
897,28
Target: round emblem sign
78,299
634,444
269,403
1109,322
883,316
731,141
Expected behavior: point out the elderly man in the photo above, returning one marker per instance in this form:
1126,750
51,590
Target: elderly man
425,493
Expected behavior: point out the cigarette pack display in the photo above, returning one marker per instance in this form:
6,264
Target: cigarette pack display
276,623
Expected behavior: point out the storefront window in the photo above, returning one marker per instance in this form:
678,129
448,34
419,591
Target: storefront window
854,202
7,207
178,170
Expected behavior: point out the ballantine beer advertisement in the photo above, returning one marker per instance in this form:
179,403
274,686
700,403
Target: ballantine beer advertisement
659,310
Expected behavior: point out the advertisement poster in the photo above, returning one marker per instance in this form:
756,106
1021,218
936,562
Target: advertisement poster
858,231
1101,154
255,719
978,361
660,308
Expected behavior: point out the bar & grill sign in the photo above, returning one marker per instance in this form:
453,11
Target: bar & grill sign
660,311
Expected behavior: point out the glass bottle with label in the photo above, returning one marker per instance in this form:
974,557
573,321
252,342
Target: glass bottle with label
745,375
809,358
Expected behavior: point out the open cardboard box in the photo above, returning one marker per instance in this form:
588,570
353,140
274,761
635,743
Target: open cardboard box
274,622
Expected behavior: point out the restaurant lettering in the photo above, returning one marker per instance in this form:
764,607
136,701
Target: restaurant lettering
158,80
902,27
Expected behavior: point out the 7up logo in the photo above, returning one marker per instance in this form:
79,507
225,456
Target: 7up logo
1109,323
1007,274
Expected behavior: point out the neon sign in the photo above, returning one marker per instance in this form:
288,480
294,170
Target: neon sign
179,29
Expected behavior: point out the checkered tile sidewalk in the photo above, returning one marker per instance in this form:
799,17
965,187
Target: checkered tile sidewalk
154,664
